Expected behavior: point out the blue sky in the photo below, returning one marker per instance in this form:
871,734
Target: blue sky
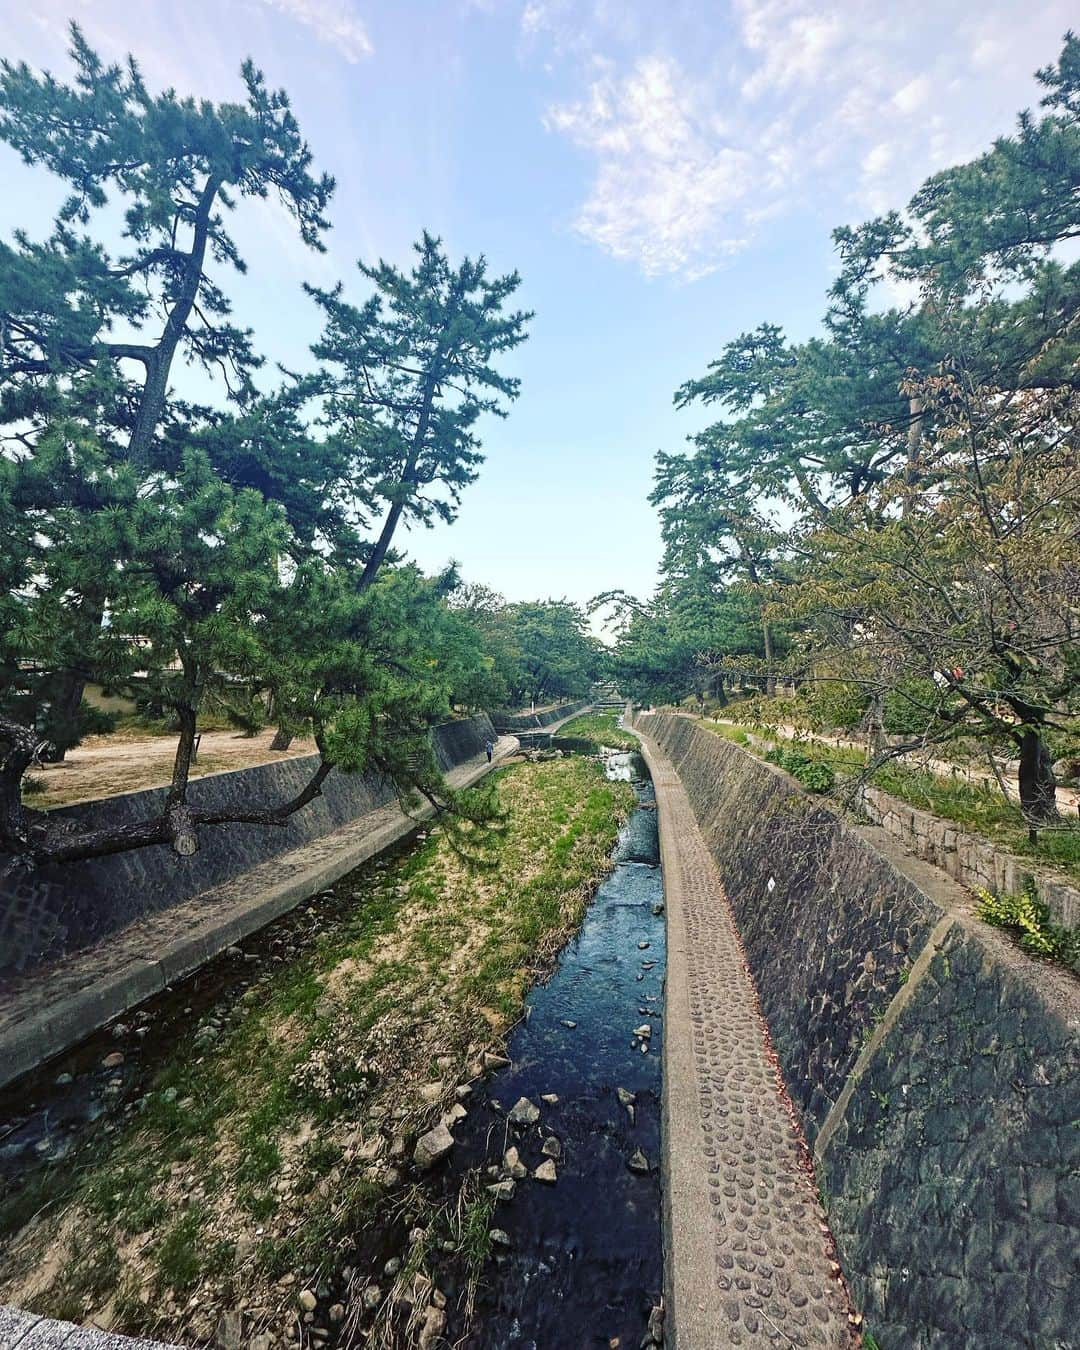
663,174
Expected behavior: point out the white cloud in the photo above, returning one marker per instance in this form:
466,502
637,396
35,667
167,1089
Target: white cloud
912,95
701,121
665,179
332,21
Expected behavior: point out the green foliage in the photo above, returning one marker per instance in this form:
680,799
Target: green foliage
836,704
812,774
1027,917
897,493
217,559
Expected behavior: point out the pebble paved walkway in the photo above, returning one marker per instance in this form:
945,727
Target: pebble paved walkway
749,1256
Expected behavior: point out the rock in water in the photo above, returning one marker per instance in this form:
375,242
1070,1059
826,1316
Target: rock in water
523,1112
432,1146
546,1172
638,1162
551,1147
307,1300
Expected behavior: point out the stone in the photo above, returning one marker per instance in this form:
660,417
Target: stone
457,1112
63,1079
567,1023
337,1313
392,1267
523,1112
431,1092
551,1147
500,1238
462,1091
638,1162
643,946
371,1297
228,1331
114,1060
434,1321
503,1190
307,1300
513,1165
644,1031
551,1098
658,909
432,1146
546,1172
493,1061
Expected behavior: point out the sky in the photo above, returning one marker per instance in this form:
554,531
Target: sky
664,174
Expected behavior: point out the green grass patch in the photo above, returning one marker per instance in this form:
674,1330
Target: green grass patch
602,728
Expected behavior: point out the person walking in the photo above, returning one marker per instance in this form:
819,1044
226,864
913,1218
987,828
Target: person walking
489,749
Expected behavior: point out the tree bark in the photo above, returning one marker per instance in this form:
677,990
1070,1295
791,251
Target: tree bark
282,739
1038,788
770,667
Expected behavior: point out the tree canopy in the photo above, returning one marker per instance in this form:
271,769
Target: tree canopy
236,553
901,492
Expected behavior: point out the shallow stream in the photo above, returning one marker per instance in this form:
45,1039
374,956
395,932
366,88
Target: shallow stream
583,1265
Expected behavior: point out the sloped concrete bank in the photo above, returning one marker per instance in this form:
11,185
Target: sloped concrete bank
54,911
511,722
933,1066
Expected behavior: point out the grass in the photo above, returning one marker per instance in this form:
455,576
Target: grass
601,729
263,1152
975,807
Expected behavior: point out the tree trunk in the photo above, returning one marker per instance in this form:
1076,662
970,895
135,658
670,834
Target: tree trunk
61,723
770,666
282,739
1038,788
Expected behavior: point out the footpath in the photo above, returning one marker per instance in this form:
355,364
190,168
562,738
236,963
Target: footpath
748,1256
55,1008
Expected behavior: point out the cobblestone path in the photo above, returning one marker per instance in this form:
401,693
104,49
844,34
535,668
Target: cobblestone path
750,1260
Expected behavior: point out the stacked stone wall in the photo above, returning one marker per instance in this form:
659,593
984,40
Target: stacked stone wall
54,911
933,1066
971,860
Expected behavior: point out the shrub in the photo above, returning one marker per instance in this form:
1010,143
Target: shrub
812,774
1026,916
838,704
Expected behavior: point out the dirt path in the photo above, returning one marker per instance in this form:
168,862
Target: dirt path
106,765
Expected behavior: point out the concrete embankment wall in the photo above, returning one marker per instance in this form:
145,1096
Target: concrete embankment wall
54,911
934,1067
513,722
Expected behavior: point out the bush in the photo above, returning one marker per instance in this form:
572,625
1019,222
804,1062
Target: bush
812,774
836,704
907,707
1028,918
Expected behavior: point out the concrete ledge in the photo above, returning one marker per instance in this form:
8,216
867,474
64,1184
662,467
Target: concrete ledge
26,1331
57,1007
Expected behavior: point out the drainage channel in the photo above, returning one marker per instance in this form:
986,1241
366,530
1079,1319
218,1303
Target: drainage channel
568,1134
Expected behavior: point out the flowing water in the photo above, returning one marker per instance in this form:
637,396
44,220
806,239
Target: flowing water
583,1263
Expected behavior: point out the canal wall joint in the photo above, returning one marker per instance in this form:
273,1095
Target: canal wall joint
55,911
933,1066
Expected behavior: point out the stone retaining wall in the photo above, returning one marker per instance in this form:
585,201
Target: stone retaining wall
54,911
968,858
513,722
933,1066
